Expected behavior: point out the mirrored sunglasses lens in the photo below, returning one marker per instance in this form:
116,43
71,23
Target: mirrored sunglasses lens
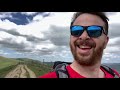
76,30
94,28
94,33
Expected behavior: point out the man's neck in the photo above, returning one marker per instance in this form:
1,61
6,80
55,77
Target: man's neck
88,71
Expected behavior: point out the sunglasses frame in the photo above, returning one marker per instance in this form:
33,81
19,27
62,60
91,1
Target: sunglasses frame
86,28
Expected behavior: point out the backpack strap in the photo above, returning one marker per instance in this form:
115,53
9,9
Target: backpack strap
62,72
114,73
60,69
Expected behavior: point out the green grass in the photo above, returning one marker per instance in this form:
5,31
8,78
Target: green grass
6,65
6,70
38,68
6,62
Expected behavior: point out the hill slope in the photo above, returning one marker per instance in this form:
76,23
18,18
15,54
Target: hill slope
5,62
6,65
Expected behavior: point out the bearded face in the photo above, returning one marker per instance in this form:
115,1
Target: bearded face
86,52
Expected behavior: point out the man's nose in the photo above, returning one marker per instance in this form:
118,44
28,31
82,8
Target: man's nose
84,35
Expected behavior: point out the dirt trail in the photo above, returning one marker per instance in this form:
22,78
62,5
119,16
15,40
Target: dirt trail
21,71
31,73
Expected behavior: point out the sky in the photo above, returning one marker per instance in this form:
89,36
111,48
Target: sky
45,36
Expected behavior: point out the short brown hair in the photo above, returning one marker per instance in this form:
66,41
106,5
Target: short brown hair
100,14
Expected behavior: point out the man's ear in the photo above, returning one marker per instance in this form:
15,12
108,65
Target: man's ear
106,41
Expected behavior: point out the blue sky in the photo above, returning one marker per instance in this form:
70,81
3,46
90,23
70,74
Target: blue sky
45,35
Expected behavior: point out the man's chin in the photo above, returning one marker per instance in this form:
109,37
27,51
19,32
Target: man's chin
84,59
84,55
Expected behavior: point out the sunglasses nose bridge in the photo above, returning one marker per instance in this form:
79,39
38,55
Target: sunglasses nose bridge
84,35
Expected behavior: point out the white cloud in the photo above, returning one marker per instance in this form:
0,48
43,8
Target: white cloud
60,19
113,40
28,13
4,35
6,14
38,18
112,49
6,24
115,18
35,28
20,39
42,46
30,29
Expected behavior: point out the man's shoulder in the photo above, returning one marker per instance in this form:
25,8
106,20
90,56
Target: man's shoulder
49,75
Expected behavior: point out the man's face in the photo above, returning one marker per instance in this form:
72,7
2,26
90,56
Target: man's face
87,50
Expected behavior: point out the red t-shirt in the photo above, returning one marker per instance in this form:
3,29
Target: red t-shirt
73,74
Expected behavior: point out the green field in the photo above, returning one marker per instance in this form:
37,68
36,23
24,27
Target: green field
6,65
6,62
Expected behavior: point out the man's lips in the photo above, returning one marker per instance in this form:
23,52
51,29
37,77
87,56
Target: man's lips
84,49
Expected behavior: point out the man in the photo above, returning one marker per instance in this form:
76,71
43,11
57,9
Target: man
89,37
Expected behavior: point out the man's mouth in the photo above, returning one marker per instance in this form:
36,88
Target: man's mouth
83,49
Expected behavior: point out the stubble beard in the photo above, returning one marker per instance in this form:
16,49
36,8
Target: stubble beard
89,60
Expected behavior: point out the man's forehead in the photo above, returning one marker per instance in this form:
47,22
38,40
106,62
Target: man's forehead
86,19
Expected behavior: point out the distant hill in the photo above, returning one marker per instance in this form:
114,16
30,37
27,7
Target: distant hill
6,65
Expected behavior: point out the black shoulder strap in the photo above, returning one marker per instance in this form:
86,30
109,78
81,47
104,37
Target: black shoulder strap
111,71
60,69
62,72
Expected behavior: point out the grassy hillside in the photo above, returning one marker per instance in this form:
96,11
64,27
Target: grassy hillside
6,62
6,65
6,70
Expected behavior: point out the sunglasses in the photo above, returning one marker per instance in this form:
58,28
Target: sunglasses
93,31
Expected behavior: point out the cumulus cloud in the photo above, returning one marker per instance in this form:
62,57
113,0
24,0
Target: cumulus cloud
29,13
15,42
6,14
59,36
42,36
114,30
114,18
